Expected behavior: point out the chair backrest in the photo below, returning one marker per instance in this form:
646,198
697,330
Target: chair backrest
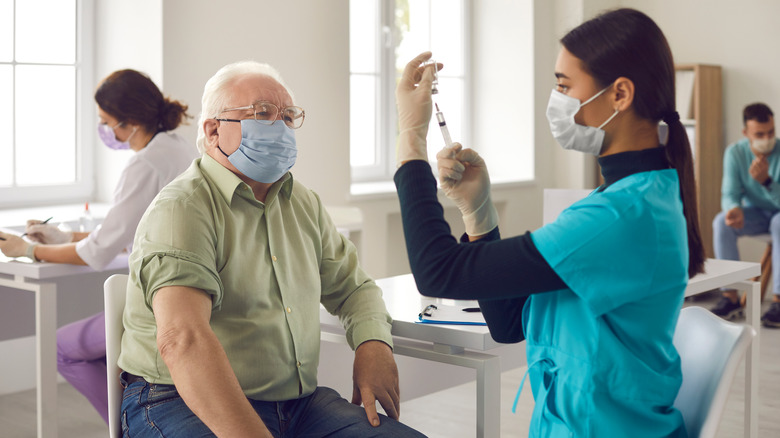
557,200
114,292
710,349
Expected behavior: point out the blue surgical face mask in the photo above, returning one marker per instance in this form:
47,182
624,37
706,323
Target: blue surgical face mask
266,152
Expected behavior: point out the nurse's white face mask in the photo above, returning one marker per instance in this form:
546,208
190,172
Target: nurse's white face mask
561,110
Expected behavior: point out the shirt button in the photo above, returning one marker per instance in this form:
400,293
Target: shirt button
298,364
273,258
289,310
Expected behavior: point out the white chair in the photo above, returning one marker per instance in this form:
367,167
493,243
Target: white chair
710,349
114,291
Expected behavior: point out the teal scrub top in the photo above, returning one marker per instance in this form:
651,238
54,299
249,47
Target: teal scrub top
600,354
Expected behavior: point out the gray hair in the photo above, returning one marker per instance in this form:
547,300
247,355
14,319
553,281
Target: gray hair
214,92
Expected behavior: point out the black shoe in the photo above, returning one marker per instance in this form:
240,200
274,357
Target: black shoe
729,310
771,318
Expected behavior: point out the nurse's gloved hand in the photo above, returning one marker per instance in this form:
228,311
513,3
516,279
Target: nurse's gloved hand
14,246
413,98
47,233
464,178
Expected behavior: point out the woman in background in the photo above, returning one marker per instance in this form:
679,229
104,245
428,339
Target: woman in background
133,114
597,293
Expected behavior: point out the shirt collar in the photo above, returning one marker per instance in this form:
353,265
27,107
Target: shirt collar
228,183
618,166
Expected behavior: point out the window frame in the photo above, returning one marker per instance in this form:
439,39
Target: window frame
83,186
385,134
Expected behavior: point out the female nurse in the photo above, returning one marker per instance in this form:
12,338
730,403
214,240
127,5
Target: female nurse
595,294
133,114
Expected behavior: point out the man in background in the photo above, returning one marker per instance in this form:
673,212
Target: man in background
750,199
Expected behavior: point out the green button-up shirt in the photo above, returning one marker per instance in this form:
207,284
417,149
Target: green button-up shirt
267,267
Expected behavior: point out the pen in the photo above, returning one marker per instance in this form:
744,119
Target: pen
2,238
472,309
44,222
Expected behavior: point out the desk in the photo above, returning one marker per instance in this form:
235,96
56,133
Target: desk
469,346
41,278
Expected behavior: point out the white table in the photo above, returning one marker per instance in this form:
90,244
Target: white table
469,346
41,278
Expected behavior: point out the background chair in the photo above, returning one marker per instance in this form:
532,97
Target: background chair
766,264
710,350
114,292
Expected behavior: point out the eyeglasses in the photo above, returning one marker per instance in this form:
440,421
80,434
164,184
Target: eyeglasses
266,113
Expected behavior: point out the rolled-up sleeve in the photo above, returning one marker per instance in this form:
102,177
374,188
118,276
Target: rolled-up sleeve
175,246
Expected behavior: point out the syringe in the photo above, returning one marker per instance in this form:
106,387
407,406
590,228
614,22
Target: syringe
443,125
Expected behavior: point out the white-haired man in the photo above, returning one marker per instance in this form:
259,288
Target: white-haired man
229,267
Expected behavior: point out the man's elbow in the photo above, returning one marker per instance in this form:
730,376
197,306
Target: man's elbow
174,345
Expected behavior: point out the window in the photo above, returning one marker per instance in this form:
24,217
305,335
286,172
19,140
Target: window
47,107
384,36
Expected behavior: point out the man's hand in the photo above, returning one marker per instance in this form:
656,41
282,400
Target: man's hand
375,378
735,218
759,169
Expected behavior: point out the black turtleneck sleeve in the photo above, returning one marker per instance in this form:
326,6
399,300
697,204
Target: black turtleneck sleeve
500,273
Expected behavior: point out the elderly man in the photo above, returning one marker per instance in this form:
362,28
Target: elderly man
230,265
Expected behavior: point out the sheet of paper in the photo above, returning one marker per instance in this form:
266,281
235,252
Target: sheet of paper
446,314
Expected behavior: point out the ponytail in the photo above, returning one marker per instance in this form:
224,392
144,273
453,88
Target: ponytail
172,114
678,152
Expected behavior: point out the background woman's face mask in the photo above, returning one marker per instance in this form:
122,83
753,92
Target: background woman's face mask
108,136
266,152
561,110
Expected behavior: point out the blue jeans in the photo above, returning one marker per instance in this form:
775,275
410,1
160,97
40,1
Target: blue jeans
151,410
757,221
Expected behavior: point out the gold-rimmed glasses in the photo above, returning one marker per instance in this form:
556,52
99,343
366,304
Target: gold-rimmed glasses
266,113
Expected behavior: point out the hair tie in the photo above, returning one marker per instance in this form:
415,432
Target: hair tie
671,117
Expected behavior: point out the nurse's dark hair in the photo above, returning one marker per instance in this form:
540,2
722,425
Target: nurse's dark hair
627,43
130,96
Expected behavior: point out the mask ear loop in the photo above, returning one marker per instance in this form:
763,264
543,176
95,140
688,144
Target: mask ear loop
610,118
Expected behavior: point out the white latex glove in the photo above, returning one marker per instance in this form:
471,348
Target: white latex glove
464,179
14,246
413,99
46,233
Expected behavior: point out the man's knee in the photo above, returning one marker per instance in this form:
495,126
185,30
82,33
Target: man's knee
774,225
719,224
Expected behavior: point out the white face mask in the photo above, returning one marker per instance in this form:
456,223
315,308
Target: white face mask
764,146
561,110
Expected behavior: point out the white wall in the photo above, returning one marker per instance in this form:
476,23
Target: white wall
739,36
197,38
127,35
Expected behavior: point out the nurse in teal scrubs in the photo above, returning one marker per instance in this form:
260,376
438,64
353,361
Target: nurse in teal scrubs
595,294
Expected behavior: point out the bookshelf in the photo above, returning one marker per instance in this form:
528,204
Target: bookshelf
700,104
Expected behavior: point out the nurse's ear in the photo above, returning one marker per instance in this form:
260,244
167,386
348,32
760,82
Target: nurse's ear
623,93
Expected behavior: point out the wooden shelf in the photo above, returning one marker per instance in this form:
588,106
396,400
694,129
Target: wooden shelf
707,142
